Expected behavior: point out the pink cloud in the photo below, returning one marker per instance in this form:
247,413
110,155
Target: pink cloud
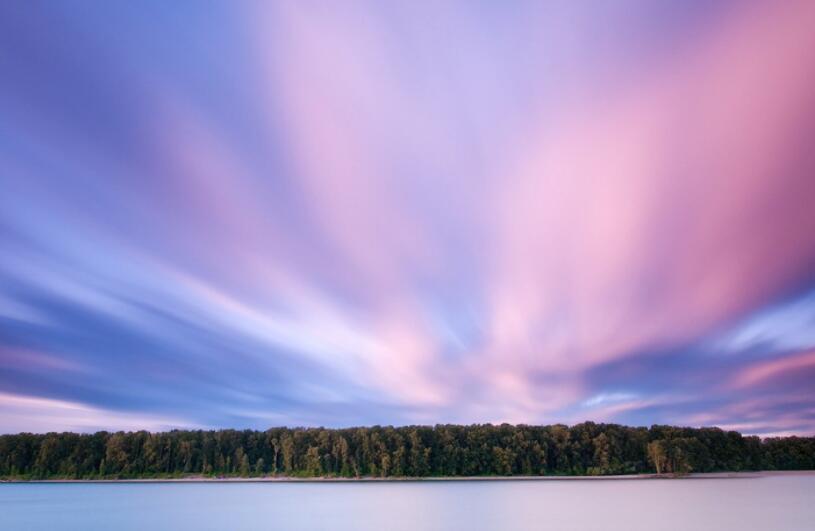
26,359
761,372
638,215
20,413
766,416
635,214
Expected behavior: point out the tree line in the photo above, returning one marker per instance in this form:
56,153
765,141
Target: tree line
411,451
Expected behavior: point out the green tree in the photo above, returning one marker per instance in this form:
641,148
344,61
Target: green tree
313,467
656,454
602,455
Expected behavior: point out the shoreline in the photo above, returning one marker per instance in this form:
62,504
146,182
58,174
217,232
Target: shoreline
286,479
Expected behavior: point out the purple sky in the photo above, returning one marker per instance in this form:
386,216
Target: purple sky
246,214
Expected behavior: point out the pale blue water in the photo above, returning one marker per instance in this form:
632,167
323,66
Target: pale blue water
776,503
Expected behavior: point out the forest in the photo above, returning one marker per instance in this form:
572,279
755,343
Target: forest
411,451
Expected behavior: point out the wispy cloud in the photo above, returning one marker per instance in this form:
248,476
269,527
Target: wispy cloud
316,214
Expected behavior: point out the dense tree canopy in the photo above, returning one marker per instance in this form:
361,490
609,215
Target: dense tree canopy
411,451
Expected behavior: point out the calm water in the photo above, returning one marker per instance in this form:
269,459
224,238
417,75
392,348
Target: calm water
778,503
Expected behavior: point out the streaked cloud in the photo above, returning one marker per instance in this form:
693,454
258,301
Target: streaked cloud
302,213
788,326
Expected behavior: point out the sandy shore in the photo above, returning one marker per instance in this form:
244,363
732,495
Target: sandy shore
284,479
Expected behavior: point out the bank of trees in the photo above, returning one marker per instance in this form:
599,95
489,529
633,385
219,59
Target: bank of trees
443,450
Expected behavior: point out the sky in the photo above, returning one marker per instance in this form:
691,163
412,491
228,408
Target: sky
255,214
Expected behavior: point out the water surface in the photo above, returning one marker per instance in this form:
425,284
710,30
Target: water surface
775,502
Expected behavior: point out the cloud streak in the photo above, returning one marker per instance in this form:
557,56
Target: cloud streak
299,213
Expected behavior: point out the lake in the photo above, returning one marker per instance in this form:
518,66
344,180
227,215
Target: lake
774,502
